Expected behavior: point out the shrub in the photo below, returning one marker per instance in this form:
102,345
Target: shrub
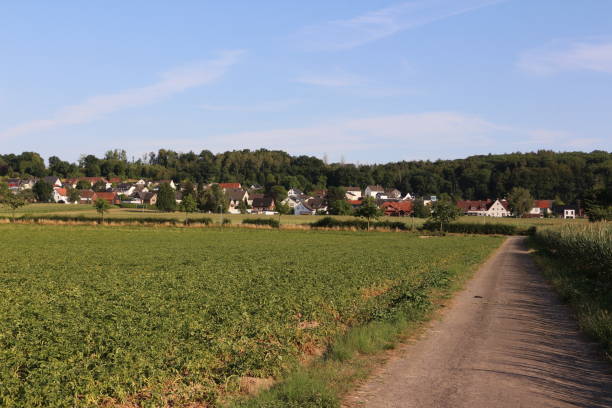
475,228
330,222
262,221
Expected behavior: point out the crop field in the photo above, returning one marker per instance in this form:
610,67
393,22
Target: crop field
133,316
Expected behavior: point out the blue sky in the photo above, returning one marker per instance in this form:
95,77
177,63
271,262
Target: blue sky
364,81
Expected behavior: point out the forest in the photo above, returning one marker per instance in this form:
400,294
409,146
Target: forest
568,176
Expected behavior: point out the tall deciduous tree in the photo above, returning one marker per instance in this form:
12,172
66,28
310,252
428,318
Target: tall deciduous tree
520,201
102,206
166,198
443,213
42,191
368,210
188,205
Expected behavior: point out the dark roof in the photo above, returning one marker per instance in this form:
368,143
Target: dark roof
263,202
235,194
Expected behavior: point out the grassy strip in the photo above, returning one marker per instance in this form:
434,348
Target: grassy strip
592,303
354,355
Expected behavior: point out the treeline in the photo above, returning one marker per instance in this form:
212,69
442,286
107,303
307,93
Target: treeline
569,176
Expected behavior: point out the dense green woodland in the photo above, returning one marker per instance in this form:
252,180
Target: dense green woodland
569,176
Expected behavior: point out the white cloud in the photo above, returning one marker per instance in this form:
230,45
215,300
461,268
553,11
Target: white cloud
375,25
270,106
172,82
428,135
568,56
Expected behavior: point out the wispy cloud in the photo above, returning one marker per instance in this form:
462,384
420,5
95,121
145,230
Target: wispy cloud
568,56
269,106
170,83
426,135
374,25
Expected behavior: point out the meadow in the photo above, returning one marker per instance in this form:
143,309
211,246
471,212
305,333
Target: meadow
87,211
135,316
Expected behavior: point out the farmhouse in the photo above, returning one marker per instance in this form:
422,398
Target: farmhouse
111,198
87,196
262,204
488,208
541,208
397,208
372,191
60,195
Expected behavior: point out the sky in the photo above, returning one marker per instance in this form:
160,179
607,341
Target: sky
364,81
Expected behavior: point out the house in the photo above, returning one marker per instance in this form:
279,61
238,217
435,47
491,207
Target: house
294,192
355,203
110,197
318,204
141,182
91,180
87,196
397,208
499,208
60,195
353,193
319,193
568,211
14,184
473,207
291,201
393,193
226,186
372,191
541,208
262,204
235,197
115,180
53,181
160,182
408,196
124,189
302,208
487,208
148,198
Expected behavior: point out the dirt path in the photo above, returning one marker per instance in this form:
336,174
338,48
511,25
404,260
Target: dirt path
506,341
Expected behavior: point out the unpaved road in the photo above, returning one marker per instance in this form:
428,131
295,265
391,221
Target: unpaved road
516,346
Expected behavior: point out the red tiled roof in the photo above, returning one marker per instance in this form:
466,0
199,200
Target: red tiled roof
229,185
61,191
543,203
354,202
87,194
405,206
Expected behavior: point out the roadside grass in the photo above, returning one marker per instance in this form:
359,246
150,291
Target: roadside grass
589,298
355,354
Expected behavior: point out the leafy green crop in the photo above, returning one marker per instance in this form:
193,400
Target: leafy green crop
94,316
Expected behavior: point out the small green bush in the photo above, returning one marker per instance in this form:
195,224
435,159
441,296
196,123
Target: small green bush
262,221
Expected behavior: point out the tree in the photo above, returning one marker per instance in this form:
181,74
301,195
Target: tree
368,210
12,201
336,194
42,191
213,200
99,186
443,212
420,210
340,207
188,188
188,205
166,198
74,196
83,185
520,201
243,206
102,206
278,193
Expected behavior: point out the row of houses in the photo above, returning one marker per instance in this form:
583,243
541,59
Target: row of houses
252,200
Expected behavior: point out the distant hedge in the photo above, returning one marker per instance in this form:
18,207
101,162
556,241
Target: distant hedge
329,222
475,228
110,220
262,221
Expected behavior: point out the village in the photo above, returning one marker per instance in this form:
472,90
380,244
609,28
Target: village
255,199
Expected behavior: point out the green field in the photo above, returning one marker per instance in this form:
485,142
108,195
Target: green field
98,316
89,212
